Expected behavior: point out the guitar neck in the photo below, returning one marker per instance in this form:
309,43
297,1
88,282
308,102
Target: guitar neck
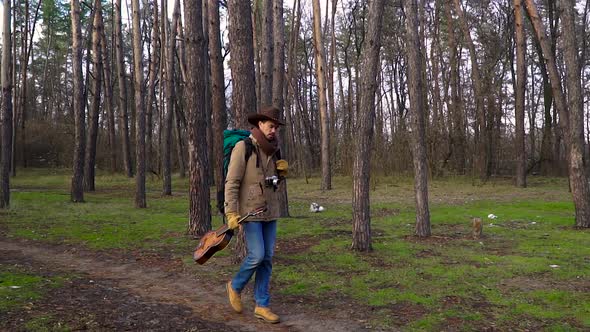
221,230
244,218
224,227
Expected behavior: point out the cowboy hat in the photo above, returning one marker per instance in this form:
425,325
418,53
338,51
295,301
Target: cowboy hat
267,113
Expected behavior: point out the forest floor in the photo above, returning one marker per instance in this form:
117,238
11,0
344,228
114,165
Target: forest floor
104,265
114,292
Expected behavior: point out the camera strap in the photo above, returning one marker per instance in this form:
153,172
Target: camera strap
274,158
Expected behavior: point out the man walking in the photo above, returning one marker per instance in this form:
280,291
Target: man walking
250,184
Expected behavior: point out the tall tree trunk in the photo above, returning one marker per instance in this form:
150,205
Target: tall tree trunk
331,97
27,45
97,68
180,136
161,98
267,54
122,99
291,80
436,141
481,156
208,107
6,109
207,78
242,61
151,89
414,56
278,77
520,90
108,100
170,33
140,197
577,172
77,187
199,200
15,81
256,48
243,79
323,103
547,158
571,123
217,96
457,131
86,72
361,217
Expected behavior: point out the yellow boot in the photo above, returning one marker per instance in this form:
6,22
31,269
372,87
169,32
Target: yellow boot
265,314
234,298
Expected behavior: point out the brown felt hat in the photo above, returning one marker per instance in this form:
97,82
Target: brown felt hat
267,113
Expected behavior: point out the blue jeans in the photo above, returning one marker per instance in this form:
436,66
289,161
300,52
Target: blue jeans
260,241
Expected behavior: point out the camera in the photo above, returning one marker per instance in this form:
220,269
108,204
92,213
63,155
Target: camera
272,181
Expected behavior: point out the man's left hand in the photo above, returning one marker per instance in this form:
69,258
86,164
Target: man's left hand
282,167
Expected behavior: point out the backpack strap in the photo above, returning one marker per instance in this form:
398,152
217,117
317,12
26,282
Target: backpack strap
249,149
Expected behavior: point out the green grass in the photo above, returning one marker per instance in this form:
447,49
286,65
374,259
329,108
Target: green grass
17,288
531,269
45,323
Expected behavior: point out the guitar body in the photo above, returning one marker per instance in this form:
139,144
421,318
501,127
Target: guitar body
211,243
217,240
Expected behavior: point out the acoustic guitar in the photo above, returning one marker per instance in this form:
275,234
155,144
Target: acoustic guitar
217,240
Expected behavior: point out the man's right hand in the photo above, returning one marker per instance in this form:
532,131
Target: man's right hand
232,220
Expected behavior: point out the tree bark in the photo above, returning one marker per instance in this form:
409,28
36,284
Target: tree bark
6,109
361,218
520,95
570,120
108,101
180,135
15,80
151,88
242,61
291,82
278,79
323,103
547,158
97,69
256,48
140,194
436,142
217,95
457,131
199,200
481,156
577,172
331,95
27,46
414,57
267,54
243,79
208,107
170,32
77,186
122,99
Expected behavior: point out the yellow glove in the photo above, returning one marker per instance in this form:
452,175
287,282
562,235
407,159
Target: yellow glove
232,220
282,167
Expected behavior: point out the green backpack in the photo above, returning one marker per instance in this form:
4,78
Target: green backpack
230,139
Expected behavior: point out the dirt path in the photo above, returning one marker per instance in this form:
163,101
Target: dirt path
173,296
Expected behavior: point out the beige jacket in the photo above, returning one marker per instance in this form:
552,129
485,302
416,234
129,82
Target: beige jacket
244,184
